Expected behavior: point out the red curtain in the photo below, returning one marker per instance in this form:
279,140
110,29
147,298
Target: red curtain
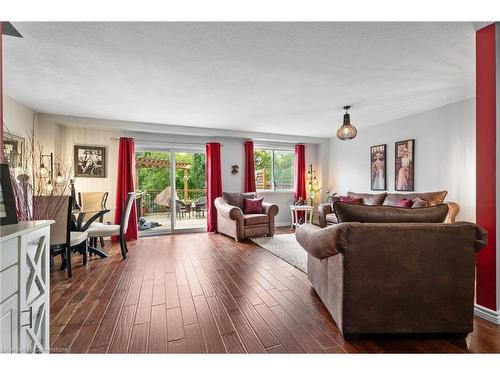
214,183
249,168
125,184
299,189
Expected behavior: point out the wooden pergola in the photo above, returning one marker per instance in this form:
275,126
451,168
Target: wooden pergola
148,162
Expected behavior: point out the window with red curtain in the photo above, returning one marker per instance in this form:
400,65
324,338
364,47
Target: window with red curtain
214,183
125,184
299,182
249,168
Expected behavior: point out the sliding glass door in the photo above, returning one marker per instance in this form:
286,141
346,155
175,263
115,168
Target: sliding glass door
153,186
190,190
172,191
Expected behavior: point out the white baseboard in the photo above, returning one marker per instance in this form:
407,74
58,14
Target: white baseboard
487,314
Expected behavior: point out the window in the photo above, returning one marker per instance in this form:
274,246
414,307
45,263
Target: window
274,169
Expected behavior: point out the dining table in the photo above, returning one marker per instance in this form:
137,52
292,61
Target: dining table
81,225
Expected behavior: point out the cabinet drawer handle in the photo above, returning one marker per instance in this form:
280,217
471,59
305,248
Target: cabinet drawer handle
30,324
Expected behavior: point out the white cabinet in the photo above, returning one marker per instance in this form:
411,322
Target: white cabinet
24,287
9,313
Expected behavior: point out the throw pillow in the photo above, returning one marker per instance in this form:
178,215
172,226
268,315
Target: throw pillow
351,200
418,203
237,199
432,198
253,206
389,214
405,202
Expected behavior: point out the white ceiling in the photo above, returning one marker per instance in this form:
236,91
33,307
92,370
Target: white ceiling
287,78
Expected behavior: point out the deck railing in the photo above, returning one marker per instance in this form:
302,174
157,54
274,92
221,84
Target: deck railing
148,198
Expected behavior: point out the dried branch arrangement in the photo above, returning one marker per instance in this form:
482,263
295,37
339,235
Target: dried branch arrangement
33,177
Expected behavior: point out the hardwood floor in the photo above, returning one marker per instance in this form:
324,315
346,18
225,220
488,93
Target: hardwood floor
205,293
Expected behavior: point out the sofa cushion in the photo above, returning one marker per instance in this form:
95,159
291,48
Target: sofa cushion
253,206
237,199
383,214
331,218
255,219
369,199
432,198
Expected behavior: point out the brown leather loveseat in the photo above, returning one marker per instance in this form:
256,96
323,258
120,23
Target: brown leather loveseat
378,278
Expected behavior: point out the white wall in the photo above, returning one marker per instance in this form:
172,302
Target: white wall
18,118
445,154
67,137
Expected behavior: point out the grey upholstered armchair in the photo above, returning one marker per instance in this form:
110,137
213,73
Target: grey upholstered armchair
232,221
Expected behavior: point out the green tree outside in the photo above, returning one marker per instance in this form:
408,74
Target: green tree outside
159,178
283,167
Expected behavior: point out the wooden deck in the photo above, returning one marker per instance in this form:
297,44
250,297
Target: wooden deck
205,293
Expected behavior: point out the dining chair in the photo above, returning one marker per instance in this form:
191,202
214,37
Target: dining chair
107,230
93,201
63,241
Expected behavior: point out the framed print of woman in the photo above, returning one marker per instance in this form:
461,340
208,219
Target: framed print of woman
404,165
378,168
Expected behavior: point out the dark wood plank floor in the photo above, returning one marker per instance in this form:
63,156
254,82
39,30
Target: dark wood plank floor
205,293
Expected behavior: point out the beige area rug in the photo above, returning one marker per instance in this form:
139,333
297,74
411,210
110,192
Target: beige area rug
286,247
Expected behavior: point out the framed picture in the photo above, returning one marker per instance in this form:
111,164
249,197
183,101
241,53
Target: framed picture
13,148
378,167
90,161
404,171
8,214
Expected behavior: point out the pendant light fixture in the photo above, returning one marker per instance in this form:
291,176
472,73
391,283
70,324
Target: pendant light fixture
347,132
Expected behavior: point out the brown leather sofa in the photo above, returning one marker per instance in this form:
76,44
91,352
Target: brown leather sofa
379,278
327,215
232,222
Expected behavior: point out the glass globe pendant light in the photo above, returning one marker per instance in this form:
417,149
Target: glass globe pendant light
347,132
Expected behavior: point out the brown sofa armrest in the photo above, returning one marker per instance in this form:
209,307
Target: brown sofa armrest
453,210
481,236
323,210
323,242
270,209
228,211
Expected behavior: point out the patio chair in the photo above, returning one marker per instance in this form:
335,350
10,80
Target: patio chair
200,206
182,209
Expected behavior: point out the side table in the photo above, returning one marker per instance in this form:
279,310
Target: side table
308,210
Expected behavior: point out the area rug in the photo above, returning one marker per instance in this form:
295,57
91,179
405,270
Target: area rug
286,247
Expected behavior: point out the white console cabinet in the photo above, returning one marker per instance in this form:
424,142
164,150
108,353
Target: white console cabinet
24,287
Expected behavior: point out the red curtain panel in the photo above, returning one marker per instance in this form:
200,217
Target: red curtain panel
249,168
125,184
300,173
214,183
